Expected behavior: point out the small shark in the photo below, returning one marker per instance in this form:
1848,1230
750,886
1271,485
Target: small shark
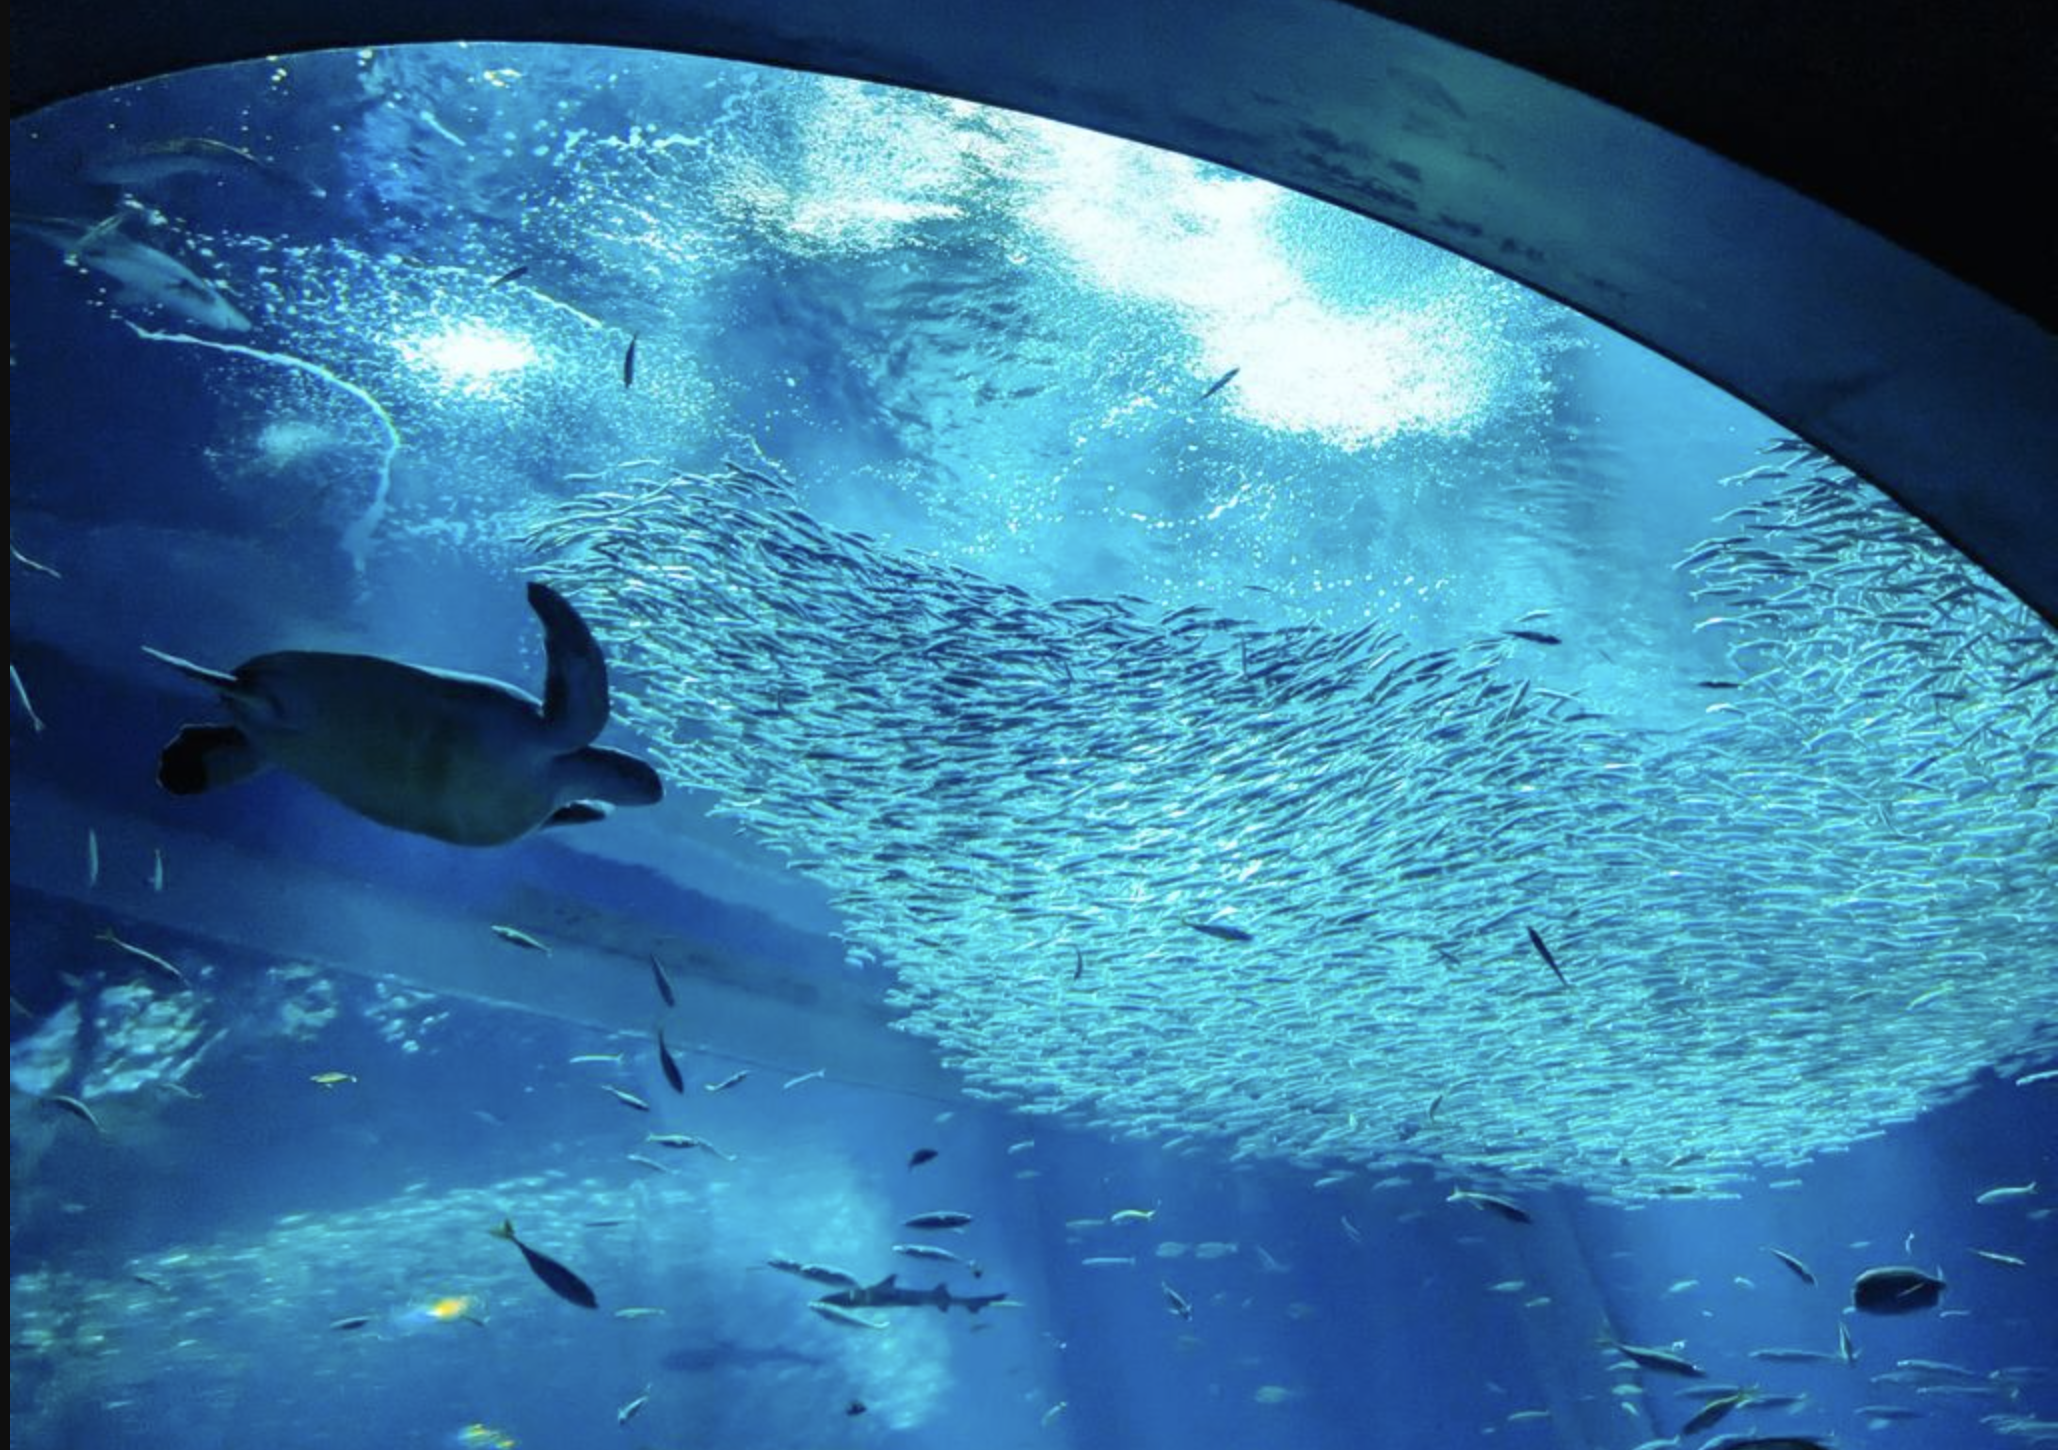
887,1294
145,275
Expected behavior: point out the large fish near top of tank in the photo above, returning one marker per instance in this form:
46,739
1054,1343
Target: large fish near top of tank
144,276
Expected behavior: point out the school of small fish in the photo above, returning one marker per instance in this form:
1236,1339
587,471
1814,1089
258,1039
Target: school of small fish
399,1273
1286,890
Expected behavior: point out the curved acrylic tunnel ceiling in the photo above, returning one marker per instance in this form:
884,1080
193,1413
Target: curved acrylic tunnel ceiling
1782,198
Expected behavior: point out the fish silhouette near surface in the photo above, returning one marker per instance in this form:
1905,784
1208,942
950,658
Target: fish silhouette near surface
144,276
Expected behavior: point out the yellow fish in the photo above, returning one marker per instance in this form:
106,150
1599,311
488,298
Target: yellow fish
331,1079
452,1307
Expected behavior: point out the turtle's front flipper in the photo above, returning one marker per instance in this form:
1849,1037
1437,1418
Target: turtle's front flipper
207,757
615,776
575,689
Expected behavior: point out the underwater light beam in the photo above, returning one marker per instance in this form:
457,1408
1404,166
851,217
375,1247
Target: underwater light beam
470,358
1171,233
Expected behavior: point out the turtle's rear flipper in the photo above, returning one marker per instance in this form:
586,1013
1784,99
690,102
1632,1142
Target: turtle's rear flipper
207,757
597,773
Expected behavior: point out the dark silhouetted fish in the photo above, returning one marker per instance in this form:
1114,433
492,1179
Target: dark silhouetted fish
555,1276
147,166
144,274
1513,1212
1664,1361
1895,1290
887,1294
1713,1413
941,1218
1793,1263
674,1079
76,1108
1545,952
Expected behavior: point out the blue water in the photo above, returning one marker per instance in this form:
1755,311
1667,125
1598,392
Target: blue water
962,342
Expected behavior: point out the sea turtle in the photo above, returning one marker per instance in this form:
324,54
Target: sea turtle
463,759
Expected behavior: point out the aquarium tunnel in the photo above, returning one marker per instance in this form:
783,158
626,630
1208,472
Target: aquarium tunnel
1045,726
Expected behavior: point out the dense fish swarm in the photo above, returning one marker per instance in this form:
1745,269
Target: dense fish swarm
336,1303
1334,898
